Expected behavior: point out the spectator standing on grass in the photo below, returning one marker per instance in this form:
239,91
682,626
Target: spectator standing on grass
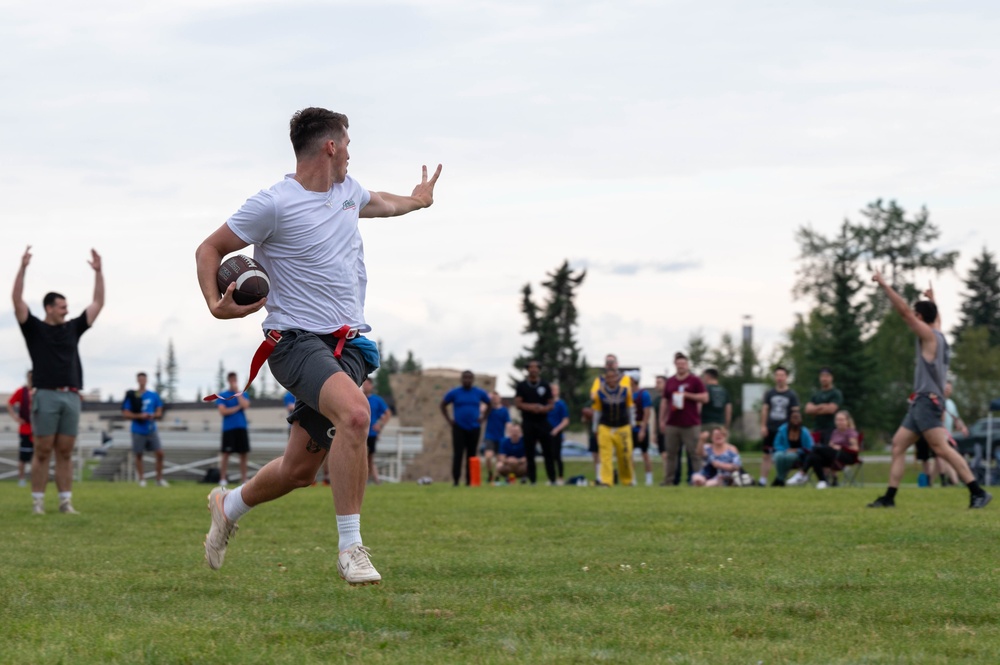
233,405
614,419
722,460
718,410
512,461
468,404
925,416
842,449
558,420
19,408
57,375
496,430
683,397
379,417
823,406
657,404
533,398
610,362
640,435
779,403
144,407
792,443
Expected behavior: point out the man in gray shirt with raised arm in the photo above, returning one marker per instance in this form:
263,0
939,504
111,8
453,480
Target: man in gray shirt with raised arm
926,414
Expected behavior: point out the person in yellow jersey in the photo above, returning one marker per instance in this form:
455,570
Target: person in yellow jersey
610,362
614,419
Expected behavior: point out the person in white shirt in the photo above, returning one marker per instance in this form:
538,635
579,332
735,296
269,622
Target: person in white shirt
305,234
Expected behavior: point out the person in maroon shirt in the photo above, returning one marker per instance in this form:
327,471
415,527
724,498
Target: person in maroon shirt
680,416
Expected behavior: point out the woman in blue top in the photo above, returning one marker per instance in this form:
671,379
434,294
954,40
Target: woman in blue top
496,431
722,460
791,445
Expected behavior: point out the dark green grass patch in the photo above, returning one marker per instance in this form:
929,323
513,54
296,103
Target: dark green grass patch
505,575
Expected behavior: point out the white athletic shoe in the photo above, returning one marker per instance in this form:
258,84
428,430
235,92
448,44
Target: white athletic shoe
142,483
798,479
821,485
22,482
223,482
355,566
66,507
38,506
220,531
162,483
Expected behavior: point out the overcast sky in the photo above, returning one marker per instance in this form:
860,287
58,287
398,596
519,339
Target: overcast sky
671,147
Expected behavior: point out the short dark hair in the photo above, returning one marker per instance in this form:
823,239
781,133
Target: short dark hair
926,310
781,368
826,370
140,374
533,361
712,372
51,297
313,123
231,375
680,355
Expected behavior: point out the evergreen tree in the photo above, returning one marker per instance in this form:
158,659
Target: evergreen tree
158,385
411,365
976,364
553,324
171,386
389,365
982,298
697,351
220,379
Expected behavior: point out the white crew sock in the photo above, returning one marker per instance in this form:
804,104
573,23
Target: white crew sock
65,496
763,480
349,528
37,496
597,472
649,477
233,505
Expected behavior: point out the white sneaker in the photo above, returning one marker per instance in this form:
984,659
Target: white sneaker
223,482
66,507
162,483
142,483
821,485
798,479
220,531
38,506
22,482
355,566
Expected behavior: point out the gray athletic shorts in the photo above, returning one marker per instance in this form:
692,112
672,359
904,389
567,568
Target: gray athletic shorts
302,362
146,443
55,412
924,414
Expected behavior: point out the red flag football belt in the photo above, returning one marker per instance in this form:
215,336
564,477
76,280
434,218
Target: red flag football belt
263,352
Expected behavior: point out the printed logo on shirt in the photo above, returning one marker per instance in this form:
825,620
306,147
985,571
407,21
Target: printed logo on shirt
349,204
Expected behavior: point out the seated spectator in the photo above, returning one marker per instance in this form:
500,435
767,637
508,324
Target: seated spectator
722,460
791,445
511,459
841,451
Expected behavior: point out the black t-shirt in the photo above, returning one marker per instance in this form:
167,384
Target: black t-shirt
714,410
54,351
779,407
534,393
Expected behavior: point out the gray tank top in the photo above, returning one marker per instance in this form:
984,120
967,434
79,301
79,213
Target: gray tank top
930,377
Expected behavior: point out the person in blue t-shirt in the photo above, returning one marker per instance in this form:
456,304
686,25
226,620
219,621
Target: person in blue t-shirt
144,407
380,415
558,419
233,405
289,402
511,459
465,419
640,433
496,430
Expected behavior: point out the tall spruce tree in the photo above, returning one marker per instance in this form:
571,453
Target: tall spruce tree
553,324
171,368
981,306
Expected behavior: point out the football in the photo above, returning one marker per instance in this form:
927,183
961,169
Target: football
252,282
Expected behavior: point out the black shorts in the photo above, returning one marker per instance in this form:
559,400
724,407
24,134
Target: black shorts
767,447
372,440
26,448
592,442
236,441
642,444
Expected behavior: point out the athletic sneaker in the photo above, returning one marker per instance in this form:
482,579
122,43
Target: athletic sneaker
66,507
223,482
882,502
821,485
22,482
355,566
798,479
38,506
980,500
142,483
220,531
162,483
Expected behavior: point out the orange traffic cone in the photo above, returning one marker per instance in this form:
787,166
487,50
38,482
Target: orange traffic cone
475,480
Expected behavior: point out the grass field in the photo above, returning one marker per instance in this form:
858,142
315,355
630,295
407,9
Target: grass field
505,575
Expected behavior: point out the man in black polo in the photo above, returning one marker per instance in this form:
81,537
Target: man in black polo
534,399
53,344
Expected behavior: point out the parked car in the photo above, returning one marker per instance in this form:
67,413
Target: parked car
977,436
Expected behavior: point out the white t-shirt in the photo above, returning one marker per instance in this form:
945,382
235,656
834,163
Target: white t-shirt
310,246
